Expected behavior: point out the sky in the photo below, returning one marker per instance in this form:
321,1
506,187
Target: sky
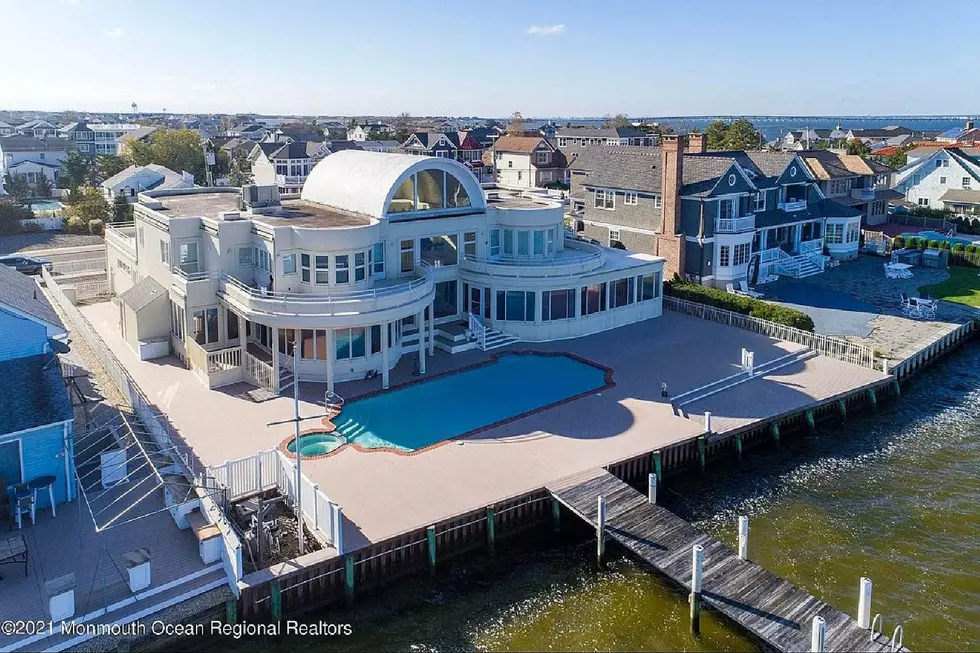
543,58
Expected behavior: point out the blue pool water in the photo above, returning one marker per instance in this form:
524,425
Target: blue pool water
315,444
419,415
935,235
46,205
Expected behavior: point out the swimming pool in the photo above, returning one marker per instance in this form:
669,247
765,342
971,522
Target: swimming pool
46,205
512,385
935,235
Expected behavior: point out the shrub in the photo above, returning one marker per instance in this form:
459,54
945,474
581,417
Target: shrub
95,227
933,244
921,243
971,249
945,245
74,224
898,242
958,247
739,304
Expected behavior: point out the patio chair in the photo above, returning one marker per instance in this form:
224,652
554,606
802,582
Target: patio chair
743,286
23,505
906,305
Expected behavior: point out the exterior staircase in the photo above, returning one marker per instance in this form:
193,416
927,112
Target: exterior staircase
807,266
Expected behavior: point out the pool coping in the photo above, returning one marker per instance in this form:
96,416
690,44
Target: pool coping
609,383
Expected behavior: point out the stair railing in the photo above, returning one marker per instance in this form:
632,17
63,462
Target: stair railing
479,330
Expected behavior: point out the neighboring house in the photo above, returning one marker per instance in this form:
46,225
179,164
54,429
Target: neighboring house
804,139
460,146
527,162
6,129
371,146
945,178
252,132
880,135
583,136
33,156
969,133
136,179
710,213
36,420
362,132
236,146
382,258
139,135
97,138
286,165
37,129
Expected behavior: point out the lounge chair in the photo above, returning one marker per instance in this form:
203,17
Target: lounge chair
743,285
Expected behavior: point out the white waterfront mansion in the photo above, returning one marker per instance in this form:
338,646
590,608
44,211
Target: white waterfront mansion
383,255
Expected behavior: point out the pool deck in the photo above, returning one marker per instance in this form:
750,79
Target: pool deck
384,494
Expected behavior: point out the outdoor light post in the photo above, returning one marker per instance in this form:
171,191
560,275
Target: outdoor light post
296,419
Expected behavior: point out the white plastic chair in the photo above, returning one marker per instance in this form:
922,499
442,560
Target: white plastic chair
743,285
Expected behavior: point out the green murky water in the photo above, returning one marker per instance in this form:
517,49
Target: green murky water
893,496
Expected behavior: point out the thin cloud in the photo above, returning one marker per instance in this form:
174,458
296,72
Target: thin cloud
545,30
114,33
69,2
201,87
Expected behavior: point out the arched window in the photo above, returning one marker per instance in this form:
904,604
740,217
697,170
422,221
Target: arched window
429,190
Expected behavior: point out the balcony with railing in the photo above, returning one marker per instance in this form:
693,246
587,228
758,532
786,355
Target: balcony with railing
792,205
387,299
198,287
122,236
734,225
864,194
290,180
578,257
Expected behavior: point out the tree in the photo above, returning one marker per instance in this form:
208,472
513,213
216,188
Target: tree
858,147
90,205
381,136
516,125
17,186
716,133
619,120
74,168
897,160
42,187
241,170
11,213
402,131
739,135
177,149
122,210
109,165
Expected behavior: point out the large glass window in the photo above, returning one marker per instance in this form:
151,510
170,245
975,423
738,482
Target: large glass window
350,343
495,242
557,304
360,266
289,264
835,233
593,299
188,257
456,196
508,242
342,268
523,243
431,186
304,261
439,251
376,339
446,301
649,286
551,241
624,292
515,305
287,341
313,344
469,244
407,255
404,198
206,326
323,269
539,242
245,256
231,325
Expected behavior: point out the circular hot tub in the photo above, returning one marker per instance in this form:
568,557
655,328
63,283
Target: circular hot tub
314,444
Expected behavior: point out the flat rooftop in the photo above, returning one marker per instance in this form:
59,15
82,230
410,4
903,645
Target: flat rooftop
507,199
384,494
198,205
295,213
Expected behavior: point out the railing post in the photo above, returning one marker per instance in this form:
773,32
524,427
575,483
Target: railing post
652,489
697,569
658,465
818,635
743,537
600,529
864,603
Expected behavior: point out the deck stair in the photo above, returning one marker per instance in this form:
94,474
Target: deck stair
807,266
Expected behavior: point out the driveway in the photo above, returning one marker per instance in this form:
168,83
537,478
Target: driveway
834,313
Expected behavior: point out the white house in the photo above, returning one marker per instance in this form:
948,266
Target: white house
361,132
33,157
527,162
384,255
97,138
136,179
287,165
945,178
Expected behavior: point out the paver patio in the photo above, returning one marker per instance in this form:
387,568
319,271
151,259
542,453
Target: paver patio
384,494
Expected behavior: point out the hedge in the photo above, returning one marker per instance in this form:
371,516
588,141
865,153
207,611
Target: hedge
739,304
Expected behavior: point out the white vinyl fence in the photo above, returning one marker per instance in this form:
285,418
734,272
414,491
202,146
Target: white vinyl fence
829,346
270,469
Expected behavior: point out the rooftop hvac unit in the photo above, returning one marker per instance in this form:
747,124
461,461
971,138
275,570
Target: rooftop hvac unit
229,215
260,196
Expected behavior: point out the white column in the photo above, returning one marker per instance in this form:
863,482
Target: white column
420,322
242,340
275,360
331,355
384,354
432,328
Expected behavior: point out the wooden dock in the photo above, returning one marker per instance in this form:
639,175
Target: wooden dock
769,608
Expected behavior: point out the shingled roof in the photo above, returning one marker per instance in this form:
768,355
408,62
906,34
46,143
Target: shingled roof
143,294
37,394
21,293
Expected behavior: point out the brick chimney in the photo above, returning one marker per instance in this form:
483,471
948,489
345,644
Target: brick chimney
669,243
697,143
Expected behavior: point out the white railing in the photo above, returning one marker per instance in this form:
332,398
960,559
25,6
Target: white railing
229,282
829,346
223,359
259,373
586,257
166,436
797,205
215,368
780,261
75,267
734,225
90,288
250,475
479,330
866,194
194,276
810,246
290,180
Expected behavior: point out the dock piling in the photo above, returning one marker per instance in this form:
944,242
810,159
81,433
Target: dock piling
491,528
600,530
652,489
842,409
707,421
743,537
810,422
774,432
430,537
701,458
864,603
658,465
697,563
738,446
818,635
349,580
873,398
555,516
275,597
231,612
